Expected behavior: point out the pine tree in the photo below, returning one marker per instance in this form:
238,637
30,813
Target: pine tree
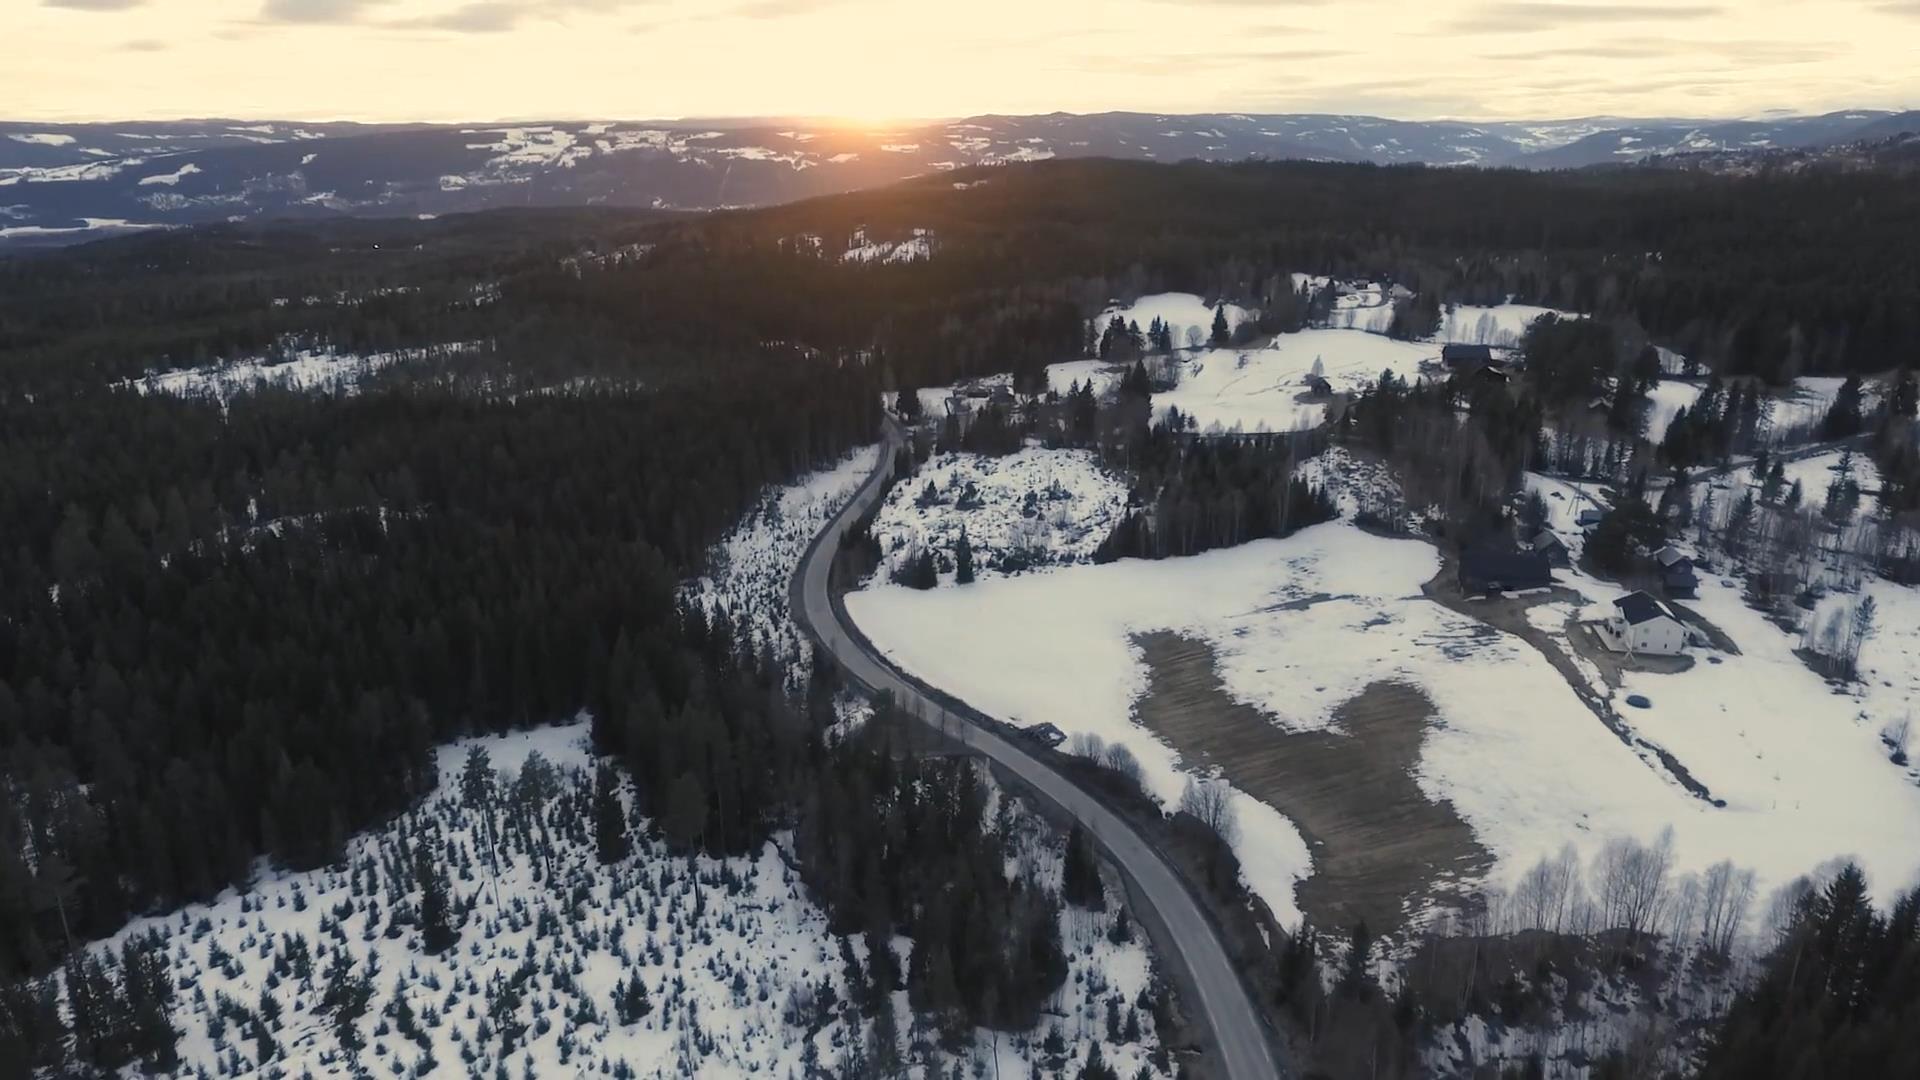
963,560
1080,880
437,931
609,816
1222,334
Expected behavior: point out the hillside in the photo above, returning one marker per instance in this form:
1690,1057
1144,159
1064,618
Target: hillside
61,183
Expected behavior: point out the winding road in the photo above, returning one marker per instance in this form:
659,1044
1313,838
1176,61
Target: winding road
1239,1035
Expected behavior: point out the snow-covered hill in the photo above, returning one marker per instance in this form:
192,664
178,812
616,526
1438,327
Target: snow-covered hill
65,182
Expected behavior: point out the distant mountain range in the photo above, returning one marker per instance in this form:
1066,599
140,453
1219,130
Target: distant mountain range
65,182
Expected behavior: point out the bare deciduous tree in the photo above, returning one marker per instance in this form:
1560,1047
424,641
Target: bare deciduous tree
1211,801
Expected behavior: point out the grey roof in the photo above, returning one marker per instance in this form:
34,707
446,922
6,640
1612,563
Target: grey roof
1670,555
1547,539
1639,608
1455,354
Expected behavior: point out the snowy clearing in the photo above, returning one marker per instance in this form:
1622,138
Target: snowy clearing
320,369
1500,326
1184,313
1255,389
916,248
1033,508
1665,401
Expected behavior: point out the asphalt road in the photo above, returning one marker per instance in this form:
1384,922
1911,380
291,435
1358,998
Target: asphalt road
1239,1037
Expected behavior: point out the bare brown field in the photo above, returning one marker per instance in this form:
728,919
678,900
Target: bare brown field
1380,847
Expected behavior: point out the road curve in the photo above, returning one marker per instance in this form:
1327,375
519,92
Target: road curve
1239,1035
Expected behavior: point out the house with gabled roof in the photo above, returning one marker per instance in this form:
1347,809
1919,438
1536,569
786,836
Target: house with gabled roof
1644,624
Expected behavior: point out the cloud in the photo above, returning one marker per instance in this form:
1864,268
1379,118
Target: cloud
144,45
778,9
1526,16
484,17
1902,9
314,11
92,5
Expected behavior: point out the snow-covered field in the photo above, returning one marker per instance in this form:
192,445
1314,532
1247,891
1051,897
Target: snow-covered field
323,369
1500,325
724,947
1522,759
751,569
1254,389
1035,507
1184,313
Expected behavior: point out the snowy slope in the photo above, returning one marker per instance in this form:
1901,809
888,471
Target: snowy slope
1256,389
750,569
726,948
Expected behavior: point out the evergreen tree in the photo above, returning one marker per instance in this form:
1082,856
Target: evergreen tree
609,816
437,930
1222,334
1844,417
963,560
1080,882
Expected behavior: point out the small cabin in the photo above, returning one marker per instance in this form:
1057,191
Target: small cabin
1645,625
1548,543
1676,572
1318,386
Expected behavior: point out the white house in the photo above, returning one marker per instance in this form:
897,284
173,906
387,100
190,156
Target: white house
1642,624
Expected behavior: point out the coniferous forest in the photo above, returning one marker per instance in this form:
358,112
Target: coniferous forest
233,625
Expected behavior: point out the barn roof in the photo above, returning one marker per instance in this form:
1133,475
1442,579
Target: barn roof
1458,354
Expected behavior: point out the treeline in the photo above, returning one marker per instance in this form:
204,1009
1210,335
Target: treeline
1839,996
1203,494
1771,276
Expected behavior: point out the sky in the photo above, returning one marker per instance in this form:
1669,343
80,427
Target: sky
879,60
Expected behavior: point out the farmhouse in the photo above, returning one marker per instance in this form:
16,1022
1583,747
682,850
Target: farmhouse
1489,569
1643,624
1318,386
1676,572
